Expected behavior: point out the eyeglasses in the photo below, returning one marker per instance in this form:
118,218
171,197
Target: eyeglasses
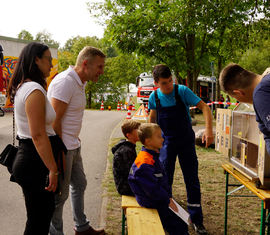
49,58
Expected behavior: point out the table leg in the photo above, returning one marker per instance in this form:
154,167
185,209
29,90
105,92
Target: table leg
263,213
123,222
226,203
267,222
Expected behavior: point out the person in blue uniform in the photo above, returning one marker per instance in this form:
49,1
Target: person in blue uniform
248,87
149,183
169,108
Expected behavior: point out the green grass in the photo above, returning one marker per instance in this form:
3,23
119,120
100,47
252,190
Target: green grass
243,213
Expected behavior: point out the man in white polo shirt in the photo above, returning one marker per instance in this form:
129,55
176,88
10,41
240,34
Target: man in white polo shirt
67,96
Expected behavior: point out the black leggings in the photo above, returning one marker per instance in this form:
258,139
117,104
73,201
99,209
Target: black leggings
30,173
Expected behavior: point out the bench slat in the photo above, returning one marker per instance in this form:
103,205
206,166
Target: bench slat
143,221
129,201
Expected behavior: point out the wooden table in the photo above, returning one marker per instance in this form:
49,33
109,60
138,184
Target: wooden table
263,194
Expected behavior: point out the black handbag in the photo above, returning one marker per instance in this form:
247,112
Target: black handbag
9,153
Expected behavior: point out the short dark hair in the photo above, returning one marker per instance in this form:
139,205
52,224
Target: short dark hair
26,67
233,76
161,71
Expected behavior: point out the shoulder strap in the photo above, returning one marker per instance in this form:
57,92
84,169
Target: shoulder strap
157,100
13,118
157,103
179,100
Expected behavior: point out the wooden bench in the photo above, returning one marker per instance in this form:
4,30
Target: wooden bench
140,220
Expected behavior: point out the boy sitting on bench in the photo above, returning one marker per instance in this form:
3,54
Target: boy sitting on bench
149,182
124,156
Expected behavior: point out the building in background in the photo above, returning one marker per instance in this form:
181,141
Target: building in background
12,48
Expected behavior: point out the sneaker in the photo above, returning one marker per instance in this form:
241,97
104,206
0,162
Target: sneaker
199,229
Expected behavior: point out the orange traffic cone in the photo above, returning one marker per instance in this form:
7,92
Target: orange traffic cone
146,108
118,107
102,106
128,114
133,107
121,106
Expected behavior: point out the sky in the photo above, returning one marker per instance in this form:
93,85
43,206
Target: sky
62,18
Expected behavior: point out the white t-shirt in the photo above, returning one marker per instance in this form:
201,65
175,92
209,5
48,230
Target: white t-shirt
68,88
19,110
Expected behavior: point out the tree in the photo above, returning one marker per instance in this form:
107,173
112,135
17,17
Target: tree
69,43
26,35
256,59
46,37
178,33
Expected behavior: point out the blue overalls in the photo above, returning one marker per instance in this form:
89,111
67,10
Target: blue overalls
179,140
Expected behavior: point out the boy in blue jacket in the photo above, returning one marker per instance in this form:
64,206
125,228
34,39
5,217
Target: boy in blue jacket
149,182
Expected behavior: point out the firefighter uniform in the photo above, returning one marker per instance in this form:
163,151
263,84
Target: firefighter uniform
149,184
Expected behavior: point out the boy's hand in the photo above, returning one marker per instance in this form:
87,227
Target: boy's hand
172,205
208,136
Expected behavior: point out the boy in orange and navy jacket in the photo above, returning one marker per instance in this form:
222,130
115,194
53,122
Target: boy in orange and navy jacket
149,181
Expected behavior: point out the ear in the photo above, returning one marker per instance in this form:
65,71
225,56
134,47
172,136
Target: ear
36,59
128,135
155,83
84,63
238,92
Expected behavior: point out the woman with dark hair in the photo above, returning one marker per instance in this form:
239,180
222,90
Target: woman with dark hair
35,168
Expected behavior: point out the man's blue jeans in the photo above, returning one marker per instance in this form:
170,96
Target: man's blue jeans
74,179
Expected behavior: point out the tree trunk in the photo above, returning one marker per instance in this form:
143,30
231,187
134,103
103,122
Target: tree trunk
217,82
190,60
179,78
89,101
191,82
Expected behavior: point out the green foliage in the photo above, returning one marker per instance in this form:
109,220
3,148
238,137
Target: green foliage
256,59
46,37
24,34
185,35
42,36
69,43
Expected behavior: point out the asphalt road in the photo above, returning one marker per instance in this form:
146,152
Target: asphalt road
95,134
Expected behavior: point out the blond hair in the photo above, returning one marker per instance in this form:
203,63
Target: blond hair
146,131
89,53
233,76
129,125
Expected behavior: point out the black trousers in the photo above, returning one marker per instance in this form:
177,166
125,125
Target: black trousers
30,173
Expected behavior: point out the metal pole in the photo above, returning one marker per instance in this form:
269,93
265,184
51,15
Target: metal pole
212,106
123,222
263,214
226,204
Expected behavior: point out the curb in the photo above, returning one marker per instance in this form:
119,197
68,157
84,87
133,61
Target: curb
103,212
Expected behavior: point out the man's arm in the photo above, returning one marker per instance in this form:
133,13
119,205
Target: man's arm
208,134
153,116
60,109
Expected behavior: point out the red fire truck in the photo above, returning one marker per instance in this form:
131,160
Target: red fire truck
146,86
